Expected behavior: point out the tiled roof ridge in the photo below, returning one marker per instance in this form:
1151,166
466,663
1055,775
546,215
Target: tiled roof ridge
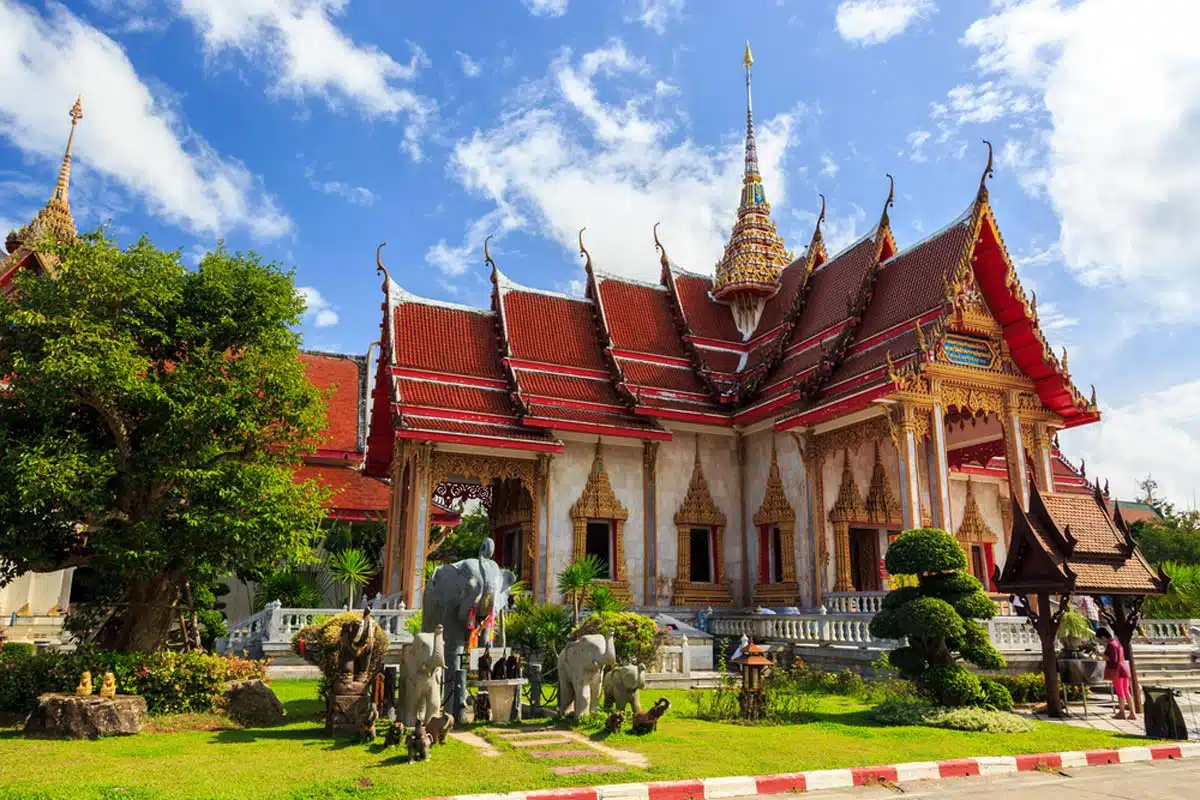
500,329
399,295
602,275
507,284
333,354
868,236
683,329
600,321
962,219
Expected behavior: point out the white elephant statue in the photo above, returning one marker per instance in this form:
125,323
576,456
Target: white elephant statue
580,671
422,662
621,687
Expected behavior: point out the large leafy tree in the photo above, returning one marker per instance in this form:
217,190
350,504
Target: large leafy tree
150,425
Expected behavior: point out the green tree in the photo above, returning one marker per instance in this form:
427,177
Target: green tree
151,424
461,541
576,582
352,568
1174,537
938,616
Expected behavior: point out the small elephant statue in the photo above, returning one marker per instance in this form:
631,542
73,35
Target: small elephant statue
394,735
421,664
614,722
439,726
648,722
621,687
580,673
418,743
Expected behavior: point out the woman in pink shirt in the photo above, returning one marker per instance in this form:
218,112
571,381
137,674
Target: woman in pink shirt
1116,669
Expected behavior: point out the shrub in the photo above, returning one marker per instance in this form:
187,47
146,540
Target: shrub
318,645
1029,687
902,711
787,696
171,682
538,628
979,720
950,685
16,650
996,696
937,616
638,638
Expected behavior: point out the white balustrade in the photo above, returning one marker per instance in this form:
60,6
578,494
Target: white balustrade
803,628
275,625
1167,631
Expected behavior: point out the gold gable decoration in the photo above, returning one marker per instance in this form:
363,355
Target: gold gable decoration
699,511
599,502
972,529
881,504
776,510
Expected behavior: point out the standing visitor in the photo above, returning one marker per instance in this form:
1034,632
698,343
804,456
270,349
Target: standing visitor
1116,670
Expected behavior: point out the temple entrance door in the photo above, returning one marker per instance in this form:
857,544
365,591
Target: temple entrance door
864,559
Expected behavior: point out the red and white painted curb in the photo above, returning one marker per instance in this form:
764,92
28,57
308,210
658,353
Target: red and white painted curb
719,788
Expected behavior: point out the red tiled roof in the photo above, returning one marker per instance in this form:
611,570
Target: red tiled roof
914,282
833,287
639,318
552,330
437,394
412,422
342,374
352,491
720,360
618,419
642,373
566,387
449,340
705,316
1092,528
1137,512
777,305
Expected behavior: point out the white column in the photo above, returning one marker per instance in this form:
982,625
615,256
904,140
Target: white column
910,490
1015,451
939,469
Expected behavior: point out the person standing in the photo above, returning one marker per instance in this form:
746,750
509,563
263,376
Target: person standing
1116,670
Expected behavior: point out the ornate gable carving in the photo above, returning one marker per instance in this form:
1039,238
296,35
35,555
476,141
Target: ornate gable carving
775,507
881,504
849,505
598,500
698,508
973,530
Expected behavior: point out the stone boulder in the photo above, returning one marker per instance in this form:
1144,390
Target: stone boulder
252,704
66,716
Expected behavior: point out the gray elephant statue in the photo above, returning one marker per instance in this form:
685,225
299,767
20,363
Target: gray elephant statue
580,671
458,595
422,662
621,687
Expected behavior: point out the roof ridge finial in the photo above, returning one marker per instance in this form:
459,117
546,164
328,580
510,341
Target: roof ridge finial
379,267
988,172
487,256
891,198
662,251
821,216
62,187
584,253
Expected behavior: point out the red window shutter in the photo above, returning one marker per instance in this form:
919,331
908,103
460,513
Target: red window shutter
764,554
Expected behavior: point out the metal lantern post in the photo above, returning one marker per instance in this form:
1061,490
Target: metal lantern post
754,664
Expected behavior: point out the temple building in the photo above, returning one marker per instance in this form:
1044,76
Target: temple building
753,438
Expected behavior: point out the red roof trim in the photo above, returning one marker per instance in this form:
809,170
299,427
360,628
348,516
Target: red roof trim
989,472
701,417
442,377
815,339
487,441
651,358
899,328
762,410
609,430
836,408
453,414
558,369
717,344
335,456
668,394
583,405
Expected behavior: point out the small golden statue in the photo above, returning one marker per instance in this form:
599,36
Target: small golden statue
24,611
55,611
109,687
84,689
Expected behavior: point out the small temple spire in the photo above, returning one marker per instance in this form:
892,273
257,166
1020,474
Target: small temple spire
63,186
748,272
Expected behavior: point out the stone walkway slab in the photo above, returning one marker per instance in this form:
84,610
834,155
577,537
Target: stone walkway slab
565,754
478,742
542,742
586,769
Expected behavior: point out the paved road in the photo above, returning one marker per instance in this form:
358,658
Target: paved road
1147,780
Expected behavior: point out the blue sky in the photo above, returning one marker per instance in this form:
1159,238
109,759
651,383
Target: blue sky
312,130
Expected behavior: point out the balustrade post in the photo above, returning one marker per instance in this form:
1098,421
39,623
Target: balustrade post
272,622
685,661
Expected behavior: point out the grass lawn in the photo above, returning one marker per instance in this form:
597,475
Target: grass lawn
197,757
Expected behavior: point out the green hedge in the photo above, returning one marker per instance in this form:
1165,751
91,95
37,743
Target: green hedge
13,650
1029,687
171,682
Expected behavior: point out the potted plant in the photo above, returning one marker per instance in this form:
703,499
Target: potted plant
1078,661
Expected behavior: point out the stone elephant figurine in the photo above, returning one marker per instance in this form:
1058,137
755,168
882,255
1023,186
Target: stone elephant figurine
455,590
621,687
580,671
422,663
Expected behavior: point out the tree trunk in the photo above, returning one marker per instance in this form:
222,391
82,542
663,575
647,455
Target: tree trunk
148,614
1047,630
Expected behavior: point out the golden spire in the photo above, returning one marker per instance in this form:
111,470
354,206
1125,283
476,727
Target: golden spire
64,172
748,271
54,217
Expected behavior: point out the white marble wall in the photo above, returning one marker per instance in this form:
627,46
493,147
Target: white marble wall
41,590
718,454
988,497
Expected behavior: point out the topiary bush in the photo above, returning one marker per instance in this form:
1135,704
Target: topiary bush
172,682
318,645
937,617
637,637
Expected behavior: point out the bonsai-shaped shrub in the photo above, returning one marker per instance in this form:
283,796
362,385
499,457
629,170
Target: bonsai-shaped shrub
937,617
638,638
318,645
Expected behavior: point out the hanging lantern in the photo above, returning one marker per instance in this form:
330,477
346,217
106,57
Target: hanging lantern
754,664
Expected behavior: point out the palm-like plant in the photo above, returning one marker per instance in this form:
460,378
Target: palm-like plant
352,568
578,580
1183,595
605,602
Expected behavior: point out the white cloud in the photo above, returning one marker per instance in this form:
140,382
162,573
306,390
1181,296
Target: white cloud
546,8
318,310
916,145
470,67
868,22
1158,434
829,167
128,134
357,195
1110,131
301,47
562,158
657,14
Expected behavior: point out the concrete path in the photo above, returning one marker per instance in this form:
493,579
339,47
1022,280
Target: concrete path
1148,780
1100,709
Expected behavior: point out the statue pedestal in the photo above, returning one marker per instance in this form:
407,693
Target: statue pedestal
505,697
349,708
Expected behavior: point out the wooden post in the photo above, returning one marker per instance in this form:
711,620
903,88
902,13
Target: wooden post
1046,622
